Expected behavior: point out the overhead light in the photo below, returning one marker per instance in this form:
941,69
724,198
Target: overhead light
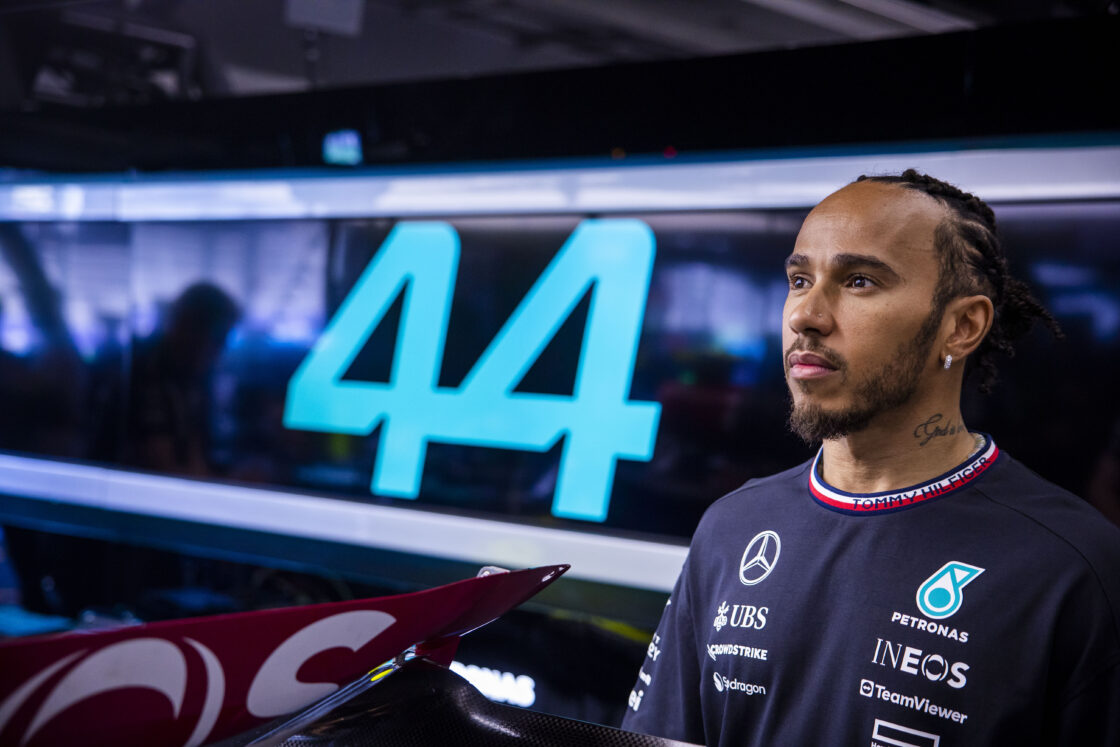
850,22
915,15
736,182
342,17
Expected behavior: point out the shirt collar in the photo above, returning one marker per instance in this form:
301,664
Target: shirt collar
893,500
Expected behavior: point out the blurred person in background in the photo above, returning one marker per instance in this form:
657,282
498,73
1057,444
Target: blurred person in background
170,395
166,429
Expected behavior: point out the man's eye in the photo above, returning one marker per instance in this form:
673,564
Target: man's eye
798,283
861,281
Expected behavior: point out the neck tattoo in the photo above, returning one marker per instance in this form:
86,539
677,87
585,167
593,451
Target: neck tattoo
935,426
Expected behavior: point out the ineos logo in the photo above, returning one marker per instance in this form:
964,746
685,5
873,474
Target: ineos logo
934,667
760,557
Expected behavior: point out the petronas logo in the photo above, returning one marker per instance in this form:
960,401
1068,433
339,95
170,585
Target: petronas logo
941,594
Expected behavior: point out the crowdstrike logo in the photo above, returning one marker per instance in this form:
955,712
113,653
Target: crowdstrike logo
941,594
734,649
760,557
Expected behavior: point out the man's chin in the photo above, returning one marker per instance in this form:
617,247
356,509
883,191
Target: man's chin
814,423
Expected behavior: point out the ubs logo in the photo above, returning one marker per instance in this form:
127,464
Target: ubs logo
742,616
760,557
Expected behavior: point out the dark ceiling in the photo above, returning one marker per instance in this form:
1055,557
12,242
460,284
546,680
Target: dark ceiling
95,52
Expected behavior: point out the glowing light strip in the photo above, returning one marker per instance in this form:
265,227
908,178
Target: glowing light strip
998,175
594,557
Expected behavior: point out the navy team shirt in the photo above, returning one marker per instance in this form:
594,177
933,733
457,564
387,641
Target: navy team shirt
979,608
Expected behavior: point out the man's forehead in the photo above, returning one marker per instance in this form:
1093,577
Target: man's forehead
872,217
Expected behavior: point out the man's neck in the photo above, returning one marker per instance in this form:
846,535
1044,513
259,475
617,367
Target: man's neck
899,449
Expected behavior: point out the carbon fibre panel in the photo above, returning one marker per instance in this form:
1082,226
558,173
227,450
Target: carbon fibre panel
421,704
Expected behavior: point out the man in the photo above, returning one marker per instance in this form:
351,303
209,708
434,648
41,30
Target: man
912,584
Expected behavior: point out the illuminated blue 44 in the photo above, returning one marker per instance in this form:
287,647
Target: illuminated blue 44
598,423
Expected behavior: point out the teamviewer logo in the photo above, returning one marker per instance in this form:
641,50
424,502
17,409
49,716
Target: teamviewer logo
866,688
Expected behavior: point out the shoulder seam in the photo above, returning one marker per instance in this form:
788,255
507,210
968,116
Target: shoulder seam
1088,563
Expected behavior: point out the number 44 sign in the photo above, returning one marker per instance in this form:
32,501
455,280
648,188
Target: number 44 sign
598,423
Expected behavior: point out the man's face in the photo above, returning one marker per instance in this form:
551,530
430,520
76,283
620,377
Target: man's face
858,327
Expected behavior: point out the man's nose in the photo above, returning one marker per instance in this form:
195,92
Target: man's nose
810,312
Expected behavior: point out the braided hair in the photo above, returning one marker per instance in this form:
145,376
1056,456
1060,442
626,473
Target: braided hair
972,262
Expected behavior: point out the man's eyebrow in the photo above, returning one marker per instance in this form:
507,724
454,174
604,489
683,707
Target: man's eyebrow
845,262
796,260
849,261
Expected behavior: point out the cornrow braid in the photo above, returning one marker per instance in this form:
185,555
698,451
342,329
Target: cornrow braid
972,262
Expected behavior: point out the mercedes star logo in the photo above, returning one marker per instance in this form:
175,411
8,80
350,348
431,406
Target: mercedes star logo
760,557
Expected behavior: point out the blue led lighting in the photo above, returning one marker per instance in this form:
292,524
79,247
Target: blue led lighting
342,148
598,423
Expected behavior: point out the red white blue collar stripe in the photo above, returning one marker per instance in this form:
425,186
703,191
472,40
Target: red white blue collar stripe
947,483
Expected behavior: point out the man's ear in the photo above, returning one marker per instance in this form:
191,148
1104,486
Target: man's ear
969,320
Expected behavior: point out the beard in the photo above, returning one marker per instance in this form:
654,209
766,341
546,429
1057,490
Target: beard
891,386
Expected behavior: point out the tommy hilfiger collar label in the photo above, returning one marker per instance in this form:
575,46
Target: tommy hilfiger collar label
951,481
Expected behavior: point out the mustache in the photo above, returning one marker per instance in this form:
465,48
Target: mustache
809,345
